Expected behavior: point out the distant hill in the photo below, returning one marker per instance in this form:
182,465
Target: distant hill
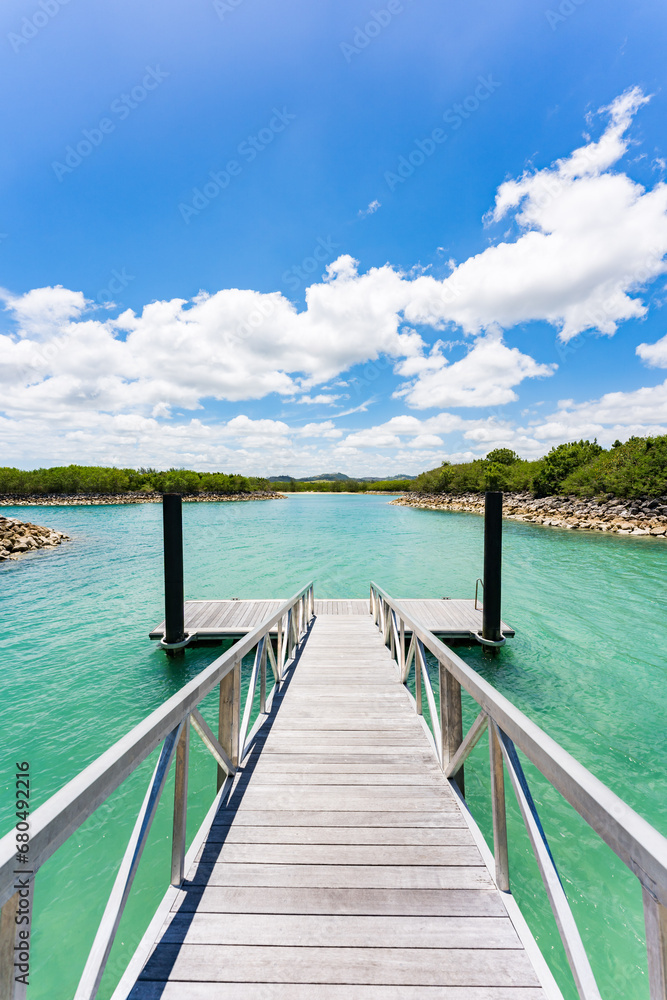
326,477
337,477
383,479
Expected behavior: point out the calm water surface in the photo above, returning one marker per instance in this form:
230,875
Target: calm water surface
588,665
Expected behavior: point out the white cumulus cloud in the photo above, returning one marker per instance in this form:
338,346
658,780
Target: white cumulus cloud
654,355
588,239
583,243
485,376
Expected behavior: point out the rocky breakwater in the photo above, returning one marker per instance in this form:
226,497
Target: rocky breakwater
18,537
624,517
103,499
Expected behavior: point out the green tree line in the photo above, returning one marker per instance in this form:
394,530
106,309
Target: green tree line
72,479
637,468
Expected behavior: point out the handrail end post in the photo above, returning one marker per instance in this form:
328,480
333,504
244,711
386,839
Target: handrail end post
180,805
498,810
655,919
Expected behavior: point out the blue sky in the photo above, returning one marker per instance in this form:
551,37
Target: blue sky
299,237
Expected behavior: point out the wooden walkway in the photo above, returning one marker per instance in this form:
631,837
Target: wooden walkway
342,867
450,619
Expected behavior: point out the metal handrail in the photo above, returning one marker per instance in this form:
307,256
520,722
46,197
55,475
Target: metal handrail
639,845
477,583
62,814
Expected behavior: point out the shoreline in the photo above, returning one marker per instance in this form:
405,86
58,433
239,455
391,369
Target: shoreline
109,499
622,517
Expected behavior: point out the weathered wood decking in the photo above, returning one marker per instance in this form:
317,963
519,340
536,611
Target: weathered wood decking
342,867
451,619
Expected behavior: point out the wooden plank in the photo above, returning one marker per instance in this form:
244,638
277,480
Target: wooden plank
391,966
401,836
196,613
327,930
435,796
394,817
276,764
411,737
347,607
326,991
391,779
346,876
351,799
341,854
319,746
386,713
340,697
355,901
337,760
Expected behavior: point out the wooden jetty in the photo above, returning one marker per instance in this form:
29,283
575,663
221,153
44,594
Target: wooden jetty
339,860
214,620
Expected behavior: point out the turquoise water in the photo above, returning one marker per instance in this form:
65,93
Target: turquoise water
588,665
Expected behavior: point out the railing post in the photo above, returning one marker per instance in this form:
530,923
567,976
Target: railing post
10,989
493,556
262,677
451,720
236,714
418,681
655,920
229,718
172,527
279,650
290,636
180,805
498,809
401,642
